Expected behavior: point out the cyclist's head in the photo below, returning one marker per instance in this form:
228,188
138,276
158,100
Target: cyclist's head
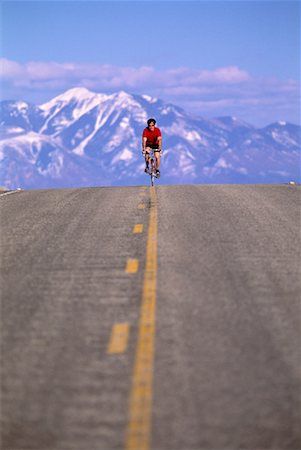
151,122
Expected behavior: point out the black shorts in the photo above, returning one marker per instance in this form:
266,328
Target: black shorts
154,148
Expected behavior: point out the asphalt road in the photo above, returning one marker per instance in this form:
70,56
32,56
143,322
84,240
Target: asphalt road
226,364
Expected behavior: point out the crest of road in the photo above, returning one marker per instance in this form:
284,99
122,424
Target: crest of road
141,318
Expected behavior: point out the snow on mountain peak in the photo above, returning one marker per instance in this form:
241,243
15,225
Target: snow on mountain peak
149,99
122,94
70,106
78,95
123,99
78,92
21,106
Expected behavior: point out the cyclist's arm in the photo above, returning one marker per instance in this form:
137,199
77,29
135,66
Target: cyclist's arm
144,139
160,142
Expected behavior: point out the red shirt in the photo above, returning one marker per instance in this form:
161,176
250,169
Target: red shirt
151,137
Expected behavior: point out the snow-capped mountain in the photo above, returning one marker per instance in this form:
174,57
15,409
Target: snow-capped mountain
83,138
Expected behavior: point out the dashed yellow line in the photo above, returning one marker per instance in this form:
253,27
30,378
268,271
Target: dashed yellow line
140,408
141,206
138,228
119,338
132,265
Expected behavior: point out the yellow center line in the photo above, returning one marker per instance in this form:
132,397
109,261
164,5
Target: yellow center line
119,338
138,228
140,407
132,265
141,206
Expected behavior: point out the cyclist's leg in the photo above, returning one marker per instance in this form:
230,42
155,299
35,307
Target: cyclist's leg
157,155
147,156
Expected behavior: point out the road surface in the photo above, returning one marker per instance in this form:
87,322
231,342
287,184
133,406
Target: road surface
139,318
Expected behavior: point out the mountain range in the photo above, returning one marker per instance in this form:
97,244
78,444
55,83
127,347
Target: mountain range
82,138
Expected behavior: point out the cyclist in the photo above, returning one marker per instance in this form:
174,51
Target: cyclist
152,140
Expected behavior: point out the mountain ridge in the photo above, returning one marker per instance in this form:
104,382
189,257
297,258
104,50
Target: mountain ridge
83,138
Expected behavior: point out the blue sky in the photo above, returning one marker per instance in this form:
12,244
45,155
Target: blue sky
211,57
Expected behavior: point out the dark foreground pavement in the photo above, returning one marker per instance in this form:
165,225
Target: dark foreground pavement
227,359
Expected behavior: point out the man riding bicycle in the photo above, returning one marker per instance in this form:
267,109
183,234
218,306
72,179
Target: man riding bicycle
152,140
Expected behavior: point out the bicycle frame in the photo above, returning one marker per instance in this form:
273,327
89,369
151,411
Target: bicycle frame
152,171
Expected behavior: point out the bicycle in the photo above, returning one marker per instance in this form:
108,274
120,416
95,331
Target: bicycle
153,170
